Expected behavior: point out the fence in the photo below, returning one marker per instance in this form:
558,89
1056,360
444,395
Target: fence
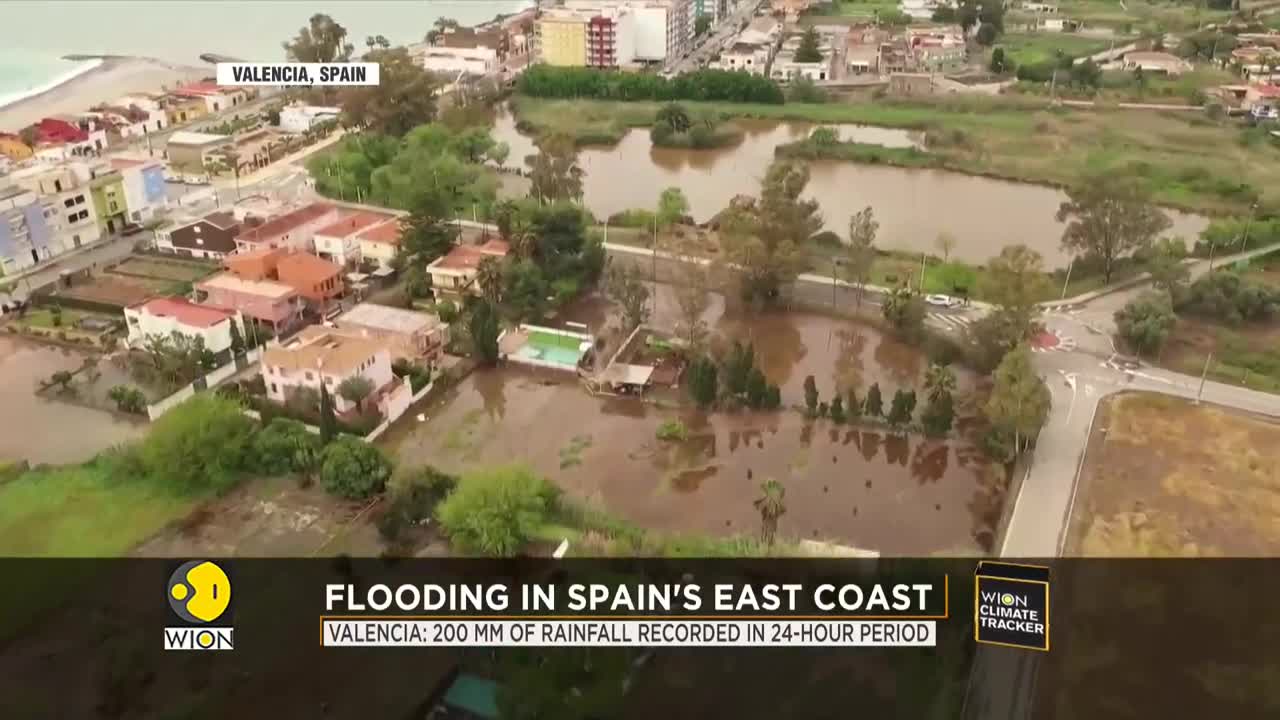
378,431
204,382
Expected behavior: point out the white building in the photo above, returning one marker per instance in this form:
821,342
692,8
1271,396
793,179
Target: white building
455,272
381,243
454,60
663,28
301,118
745,56
786,68
166,315
321,354
68,204
339,241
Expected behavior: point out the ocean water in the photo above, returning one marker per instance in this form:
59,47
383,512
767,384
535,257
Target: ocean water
179,31
27,72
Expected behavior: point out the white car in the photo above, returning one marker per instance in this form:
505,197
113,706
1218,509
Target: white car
942,300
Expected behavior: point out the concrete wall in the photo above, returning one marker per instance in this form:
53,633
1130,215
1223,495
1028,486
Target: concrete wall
211,380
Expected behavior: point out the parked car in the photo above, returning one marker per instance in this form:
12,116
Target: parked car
942,300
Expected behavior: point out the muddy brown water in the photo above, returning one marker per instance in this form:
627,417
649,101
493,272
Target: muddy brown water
49,431
852,485
912,206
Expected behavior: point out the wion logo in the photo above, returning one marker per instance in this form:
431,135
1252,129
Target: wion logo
1011,605
199,594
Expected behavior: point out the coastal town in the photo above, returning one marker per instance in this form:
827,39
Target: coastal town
859,279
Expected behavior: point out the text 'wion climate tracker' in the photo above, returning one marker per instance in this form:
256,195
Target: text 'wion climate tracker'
1011,605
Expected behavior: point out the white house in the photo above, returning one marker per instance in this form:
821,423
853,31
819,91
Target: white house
166,315
453,60
216,97
322,354
381,243
745,56
455,272
301,118
339,241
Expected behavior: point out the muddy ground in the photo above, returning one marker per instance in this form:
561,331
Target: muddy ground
1164,477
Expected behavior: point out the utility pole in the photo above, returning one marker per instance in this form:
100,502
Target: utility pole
1212,247
1204,374
921,273
1068,280
1244,241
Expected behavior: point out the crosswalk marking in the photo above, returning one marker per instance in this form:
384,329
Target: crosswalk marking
958,322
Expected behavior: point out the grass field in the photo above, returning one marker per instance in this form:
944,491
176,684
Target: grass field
1247,356
1186,160
75,512
1033,48
1170,478
1137,15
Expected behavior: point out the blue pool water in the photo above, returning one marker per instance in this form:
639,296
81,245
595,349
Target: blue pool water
558,355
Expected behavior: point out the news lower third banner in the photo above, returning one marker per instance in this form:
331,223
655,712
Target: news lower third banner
741,638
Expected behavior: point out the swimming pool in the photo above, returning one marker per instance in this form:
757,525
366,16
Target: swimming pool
552,348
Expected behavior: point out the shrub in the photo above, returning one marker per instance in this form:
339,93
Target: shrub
1145,323
672,430
353,469
414,495
418,375
497,511
128,399
201,445
276,446
1229,298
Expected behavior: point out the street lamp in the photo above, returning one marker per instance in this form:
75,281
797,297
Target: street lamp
1244,240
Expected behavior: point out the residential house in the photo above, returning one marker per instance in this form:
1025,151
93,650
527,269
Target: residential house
380,243
1264,96
166,315
180,109
25,232
1057,24
324,355
193,150
60,138
259,264
68,203
746,57
1039,7
107,186
1257,62
130,121
144,187
492,38
912,84
453,61
211,237
298,118
791,9
273,304
340,241
918,9
12,147
317,280
408,334
216,97
295,229
1156,62
455,272
862,60
786,68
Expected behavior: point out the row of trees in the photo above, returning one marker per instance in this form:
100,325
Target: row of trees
1147,321
937,419
735,380
713,85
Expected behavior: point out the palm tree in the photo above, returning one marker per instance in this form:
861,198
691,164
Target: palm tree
939,379
489,276
771,507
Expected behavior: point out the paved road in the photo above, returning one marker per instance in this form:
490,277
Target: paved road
721,35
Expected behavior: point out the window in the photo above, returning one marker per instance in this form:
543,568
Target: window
69,202
79,199
274,389
309,375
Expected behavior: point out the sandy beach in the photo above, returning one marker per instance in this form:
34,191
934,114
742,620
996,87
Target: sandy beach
114,77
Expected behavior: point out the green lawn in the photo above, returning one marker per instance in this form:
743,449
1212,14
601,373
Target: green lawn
1186,160
1034,48
76,512
852,8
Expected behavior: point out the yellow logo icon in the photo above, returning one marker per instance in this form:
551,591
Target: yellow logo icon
199,591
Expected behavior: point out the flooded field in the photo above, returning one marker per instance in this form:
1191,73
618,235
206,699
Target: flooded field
856,486
48,431
913,206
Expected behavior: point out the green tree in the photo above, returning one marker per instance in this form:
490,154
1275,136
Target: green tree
1146,321
905,311
837,409
484,328
809,51
497,511
701,25
737,368
1015,281
554,171
766,241
426,233
874,403
489,278
674,118
672,206
994,335
987,34
328,421
939,415
946,243
694,279
771,505
902,407
703,382
276,447
1167,270
1018,405
355,389
127,399
824,137
625,286
322,40
353,469
939,379
811,395
757,389
853,408
773,399
404,98
202,445
999,64
1109,217
804,90
860,253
